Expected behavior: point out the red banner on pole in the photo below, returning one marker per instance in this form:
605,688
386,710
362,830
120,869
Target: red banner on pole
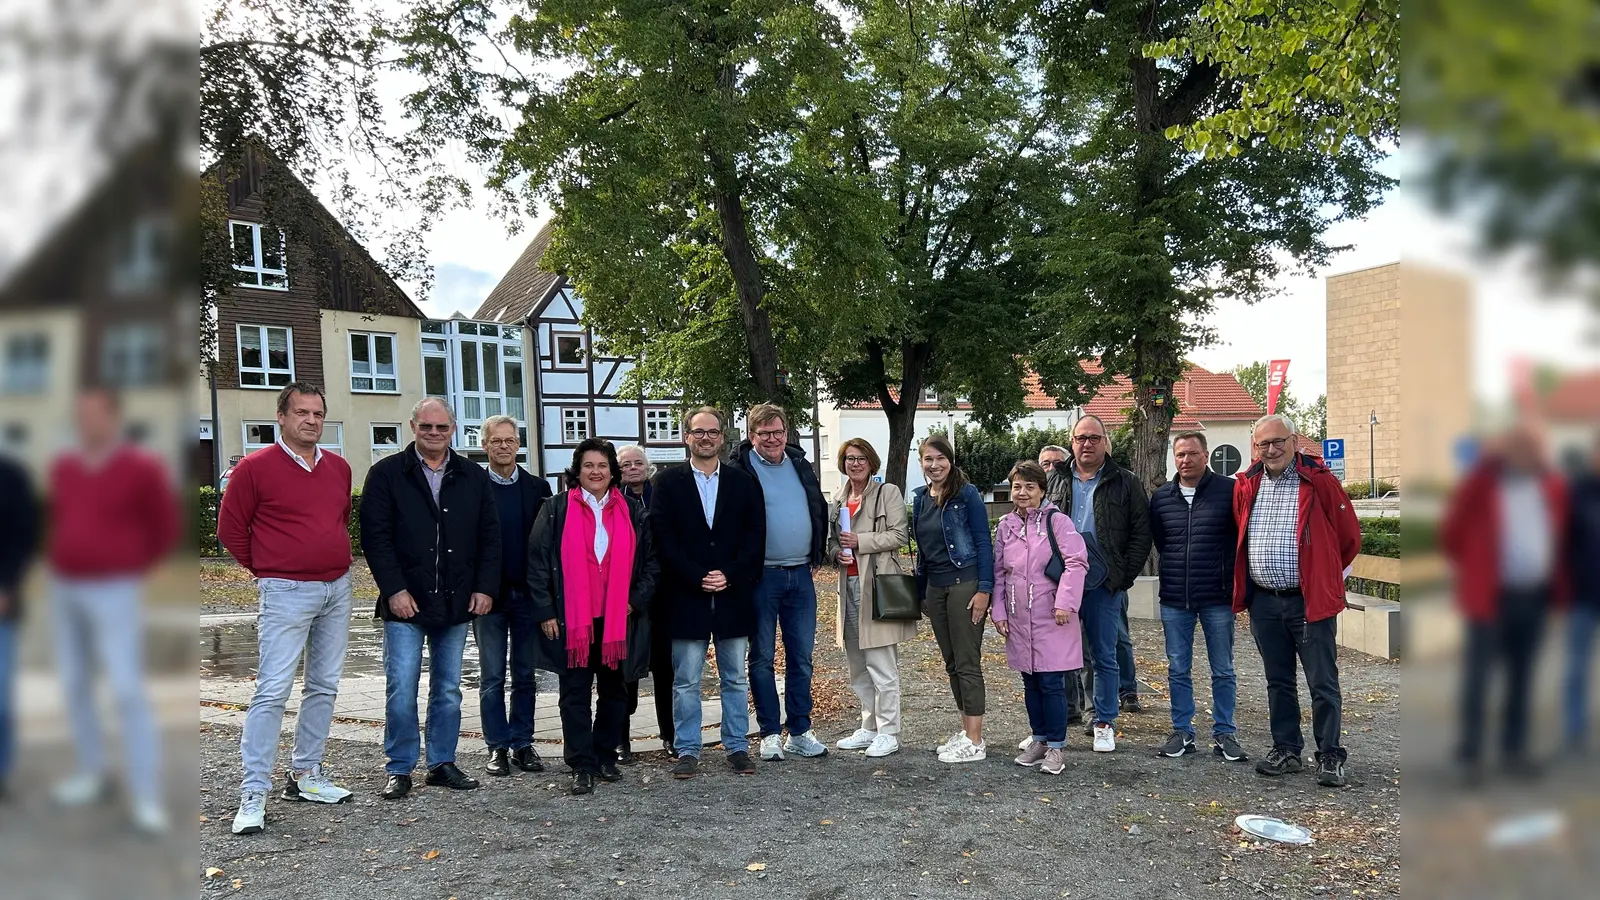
1277,373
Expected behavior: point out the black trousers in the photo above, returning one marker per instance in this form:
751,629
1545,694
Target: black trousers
1282,634
1514,636
592,731
661,673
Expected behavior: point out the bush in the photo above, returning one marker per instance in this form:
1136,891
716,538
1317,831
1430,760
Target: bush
1377,543
1361,489
208,501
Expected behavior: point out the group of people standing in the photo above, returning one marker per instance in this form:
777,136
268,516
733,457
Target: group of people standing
623,575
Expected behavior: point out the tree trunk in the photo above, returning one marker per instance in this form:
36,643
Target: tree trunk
739,251
902,429
902,411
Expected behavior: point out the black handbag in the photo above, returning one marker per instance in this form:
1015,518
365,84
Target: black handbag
895,597
1057,566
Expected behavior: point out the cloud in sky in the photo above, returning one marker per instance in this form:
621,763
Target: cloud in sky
457,288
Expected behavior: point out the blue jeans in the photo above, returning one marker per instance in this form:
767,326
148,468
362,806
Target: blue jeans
402,674
295,618
1128,679
785,597
1581,625
1217,623
688,664
1045,695
494,632
1102,624
8,675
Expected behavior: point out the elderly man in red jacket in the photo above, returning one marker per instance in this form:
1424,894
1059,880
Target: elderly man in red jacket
1503,532
1297,534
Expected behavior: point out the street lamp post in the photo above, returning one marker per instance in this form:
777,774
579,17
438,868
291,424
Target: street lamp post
1372,455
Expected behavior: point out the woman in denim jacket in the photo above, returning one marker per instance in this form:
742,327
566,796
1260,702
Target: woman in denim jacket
955,574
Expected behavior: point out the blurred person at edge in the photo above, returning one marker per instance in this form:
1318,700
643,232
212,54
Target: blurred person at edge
1298,532
1583,554
113,518
19,537
287,522
637,473
1502,531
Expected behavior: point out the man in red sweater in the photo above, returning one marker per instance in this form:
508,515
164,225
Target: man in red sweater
286,518
113,518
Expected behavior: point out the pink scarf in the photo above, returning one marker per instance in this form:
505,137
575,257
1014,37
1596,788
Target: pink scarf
595,589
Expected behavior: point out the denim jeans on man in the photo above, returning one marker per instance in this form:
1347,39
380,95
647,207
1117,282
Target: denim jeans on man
402,674
496,632
1582,623
1216,620
296,617
102,619
688,664
786,598
1045,696
1101,617
1127,677
8,684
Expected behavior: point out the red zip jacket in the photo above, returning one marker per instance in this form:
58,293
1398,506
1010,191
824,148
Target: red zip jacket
1470,537
1330,536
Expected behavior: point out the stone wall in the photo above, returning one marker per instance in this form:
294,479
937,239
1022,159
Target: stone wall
1363,309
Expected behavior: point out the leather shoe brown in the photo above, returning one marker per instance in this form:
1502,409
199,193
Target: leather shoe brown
396,787
527,759
499,763
448,775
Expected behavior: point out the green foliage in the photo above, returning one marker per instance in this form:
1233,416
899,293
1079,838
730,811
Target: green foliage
1377,543
1312,421
207,502
1313,74
1381,590
1361,488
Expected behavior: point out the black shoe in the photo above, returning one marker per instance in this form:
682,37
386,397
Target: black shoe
1279,762
610,772
1330,771
1075,719
625,755
687,767
1129,703
499,763
740,763
396,787
447,775
1227,747
672,752
1178,744
527,759
582,783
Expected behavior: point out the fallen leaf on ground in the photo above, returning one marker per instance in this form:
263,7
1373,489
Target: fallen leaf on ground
238,884
756,867
431,854
826,822
213,872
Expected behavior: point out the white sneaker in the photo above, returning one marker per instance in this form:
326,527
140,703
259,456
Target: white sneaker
771,748
965,752
1105,738
806,745
861,740
955,740
883,745
80,790
315,787
150,818
252,814
1023,744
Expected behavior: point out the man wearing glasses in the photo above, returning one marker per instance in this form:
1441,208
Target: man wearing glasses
710,528
796,526
509,624
1112,512
431,536
1297,533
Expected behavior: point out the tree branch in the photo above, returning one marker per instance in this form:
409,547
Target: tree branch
283,45
1197,84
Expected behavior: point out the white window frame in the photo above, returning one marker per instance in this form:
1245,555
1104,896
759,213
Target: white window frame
371,373
379,451
35,379
929,395
555,350
654,432
133,354
258,272
336,431
570,416
266,371
244,435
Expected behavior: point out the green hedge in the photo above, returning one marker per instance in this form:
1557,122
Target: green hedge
1361,488
207,500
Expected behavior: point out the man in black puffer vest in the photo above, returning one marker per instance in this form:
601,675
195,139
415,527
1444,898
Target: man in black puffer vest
1192,524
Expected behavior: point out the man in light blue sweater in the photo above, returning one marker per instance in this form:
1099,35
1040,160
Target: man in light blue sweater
787,596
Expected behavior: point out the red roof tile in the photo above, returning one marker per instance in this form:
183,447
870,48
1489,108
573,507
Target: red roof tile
1576,398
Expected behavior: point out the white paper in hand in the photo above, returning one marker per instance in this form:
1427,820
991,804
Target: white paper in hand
844,526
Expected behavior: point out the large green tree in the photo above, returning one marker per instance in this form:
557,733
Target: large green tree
1156,234
1311,420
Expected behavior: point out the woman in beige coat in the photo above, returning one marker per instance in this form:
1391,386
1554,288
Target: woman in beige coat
877,514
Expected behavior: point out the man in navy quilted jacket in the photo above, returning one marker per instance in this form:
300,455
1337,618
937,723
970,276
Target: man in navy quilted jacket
1191,520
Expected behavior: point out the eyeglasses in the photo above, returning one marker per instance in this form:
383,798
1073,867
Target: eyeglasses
429,426
1088,439
1273,444
701,434
769,435
855,459
500,442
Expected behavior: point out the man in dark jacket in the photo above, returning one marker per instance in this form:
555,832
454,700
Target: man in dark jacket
1583,555
431,536
710,528
509,625
19,537
786,596
1191,523
1109,507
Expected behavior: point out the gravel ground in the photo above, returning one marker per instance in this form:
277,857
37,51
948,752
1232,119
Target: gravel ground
1127,824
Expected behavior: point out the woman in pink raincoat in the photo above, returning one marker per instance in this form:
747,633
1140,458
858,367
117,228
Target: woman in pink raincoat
1037,614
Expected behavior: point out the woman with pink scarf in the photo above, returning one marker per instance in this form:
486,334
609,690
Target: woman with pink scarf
591,574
